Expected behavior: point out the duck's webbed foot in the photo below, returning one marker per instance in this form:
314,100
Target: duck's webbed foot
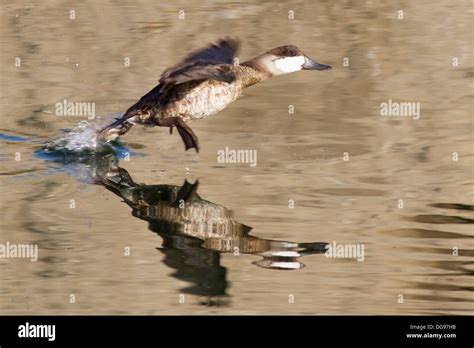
114,130
190,139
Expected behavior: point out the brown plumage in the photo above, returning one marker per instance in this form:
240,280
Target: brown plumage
203,84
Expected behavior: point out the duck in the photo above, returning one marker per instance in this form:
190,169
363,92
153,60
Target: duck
204,83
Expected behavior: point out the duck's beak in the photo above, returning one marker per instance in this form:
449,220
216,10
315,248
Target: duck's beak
310,64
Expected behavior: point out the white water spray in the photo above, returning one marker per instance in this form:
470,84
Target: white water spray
83,137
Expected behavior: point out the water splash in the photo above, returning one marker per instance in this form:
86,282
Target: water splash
83,165
81,139
80,152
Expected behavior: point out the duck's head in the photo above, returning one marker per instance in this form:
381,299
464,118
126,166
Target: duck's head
288,59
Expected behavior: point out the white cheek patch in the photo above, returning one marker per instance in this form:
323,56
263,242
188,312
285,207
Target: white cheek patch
289,64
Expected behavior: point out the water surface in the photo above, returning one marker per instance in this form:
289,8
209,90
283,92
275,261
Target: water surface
126,248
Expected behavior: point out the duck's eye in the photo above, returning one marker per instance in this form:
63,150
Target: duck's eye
293,53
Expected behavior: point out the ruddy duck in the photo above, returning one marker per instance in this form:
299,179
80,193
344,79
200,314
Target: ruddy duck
203,84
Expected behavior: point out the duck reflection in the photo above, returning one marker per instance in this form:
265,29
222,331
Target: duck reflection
196,232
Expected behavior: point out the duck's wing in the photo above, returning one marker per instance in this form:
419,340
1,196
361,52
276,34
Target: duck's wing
212,62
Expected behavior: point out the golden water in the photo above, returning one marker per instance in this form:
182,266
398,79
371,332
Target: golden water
408,251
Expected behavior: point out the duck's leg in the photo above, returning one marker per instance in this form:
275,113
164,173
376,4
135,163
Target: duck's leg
189,138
